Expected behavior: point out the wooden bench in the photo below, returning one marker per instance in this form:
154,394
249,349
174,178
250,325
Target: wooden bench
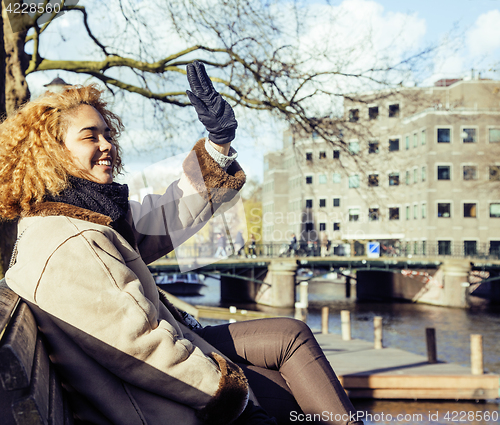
31,392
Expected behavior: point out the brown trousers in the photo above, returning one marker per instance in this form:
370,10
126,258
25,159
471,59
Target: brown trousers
286,370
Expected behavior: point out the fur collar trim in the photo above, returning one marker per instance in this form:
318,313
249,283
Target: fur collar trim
209,179
46,209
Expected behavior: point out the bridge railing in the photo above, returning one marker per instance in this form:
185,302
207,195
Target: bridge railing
304,249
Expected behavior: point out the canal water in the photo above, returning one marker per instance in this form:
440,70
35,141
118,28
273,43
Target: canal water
404,327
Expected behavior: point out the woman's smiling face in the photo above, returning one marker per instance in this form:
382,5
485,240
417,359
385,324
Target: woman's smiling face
88,138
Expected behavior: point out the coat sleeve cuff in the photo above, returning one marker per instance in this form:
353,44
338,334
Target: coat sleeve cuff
231,397
209,179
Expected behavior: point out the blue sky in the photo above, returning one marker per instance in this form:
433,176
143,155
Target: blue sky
440,15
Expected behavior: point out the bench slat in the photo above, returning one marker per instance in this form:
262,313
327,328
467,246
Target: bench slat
32,406
16,352
8,303
59,412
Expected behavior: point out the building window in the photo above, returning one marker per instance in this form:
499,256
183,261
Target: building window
336,202
336,154
495,248
337,177
322,226
443,135
424,173
495,172
354,181
494,135
322,155
353,115
470,210
407,178
469,135
470,247
309,179
373,180
322,179
309,156
309,227
354,147
394,213
394,179
393,145
407,212
353,214
336,226
373,147
444,209
315,135
415,176
443,172
415,212
424,210
495,210
373,214
470,172
322,202
415,140
444,247
309,203
373,112
407,142
394,110
424,247
422,137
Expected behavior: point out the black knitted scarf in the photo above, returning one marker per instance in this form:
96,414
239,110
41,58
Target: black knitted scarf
108,199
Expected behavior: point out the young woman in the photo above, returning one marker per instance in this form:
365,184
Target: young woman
124,353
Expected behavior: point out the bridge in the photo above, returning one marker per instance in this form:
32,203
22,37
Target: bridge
272,279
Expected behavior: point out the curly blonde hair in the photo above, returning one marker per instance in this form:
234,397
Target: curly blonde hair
33,158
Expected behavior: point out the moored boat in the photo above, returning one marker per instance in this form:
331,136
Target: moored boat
180,283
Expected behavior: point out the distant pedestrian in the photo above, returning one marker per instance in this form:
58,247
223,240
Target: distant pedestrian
325,245
251,248
239,243
221,246
292,248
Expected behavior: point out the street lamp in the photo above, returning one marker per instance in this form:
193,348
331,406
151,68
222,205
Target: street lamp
57,85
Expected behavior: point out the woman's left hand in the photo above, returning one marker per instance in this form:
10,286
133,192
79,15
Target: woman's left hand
213,111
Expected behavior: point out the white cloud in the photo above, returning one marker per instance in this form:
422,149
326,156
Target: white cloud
362,30
356,37
484,36
477,49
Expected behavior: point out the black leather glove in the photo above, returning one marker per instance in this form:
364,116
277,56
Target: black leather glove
213,111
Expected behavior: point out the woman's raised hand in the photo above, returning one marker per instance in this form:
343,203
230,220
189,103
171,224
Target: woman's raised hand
213,111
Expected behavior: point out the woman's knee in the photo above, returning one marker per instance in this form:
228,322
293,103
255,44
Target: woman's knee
296,328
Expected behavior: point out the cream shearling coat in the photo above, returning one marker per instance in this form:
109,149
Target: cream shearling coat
121,353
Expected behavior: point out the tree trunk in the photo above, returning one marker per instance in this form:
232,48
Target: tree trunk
14,92
16,64
2,67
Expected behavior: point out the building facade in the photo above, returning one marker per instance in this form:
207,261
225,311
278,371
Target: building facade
416,170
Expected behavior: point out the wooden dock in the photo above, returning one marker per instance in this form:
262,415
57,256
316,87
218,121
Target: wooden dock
386,373
391,373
